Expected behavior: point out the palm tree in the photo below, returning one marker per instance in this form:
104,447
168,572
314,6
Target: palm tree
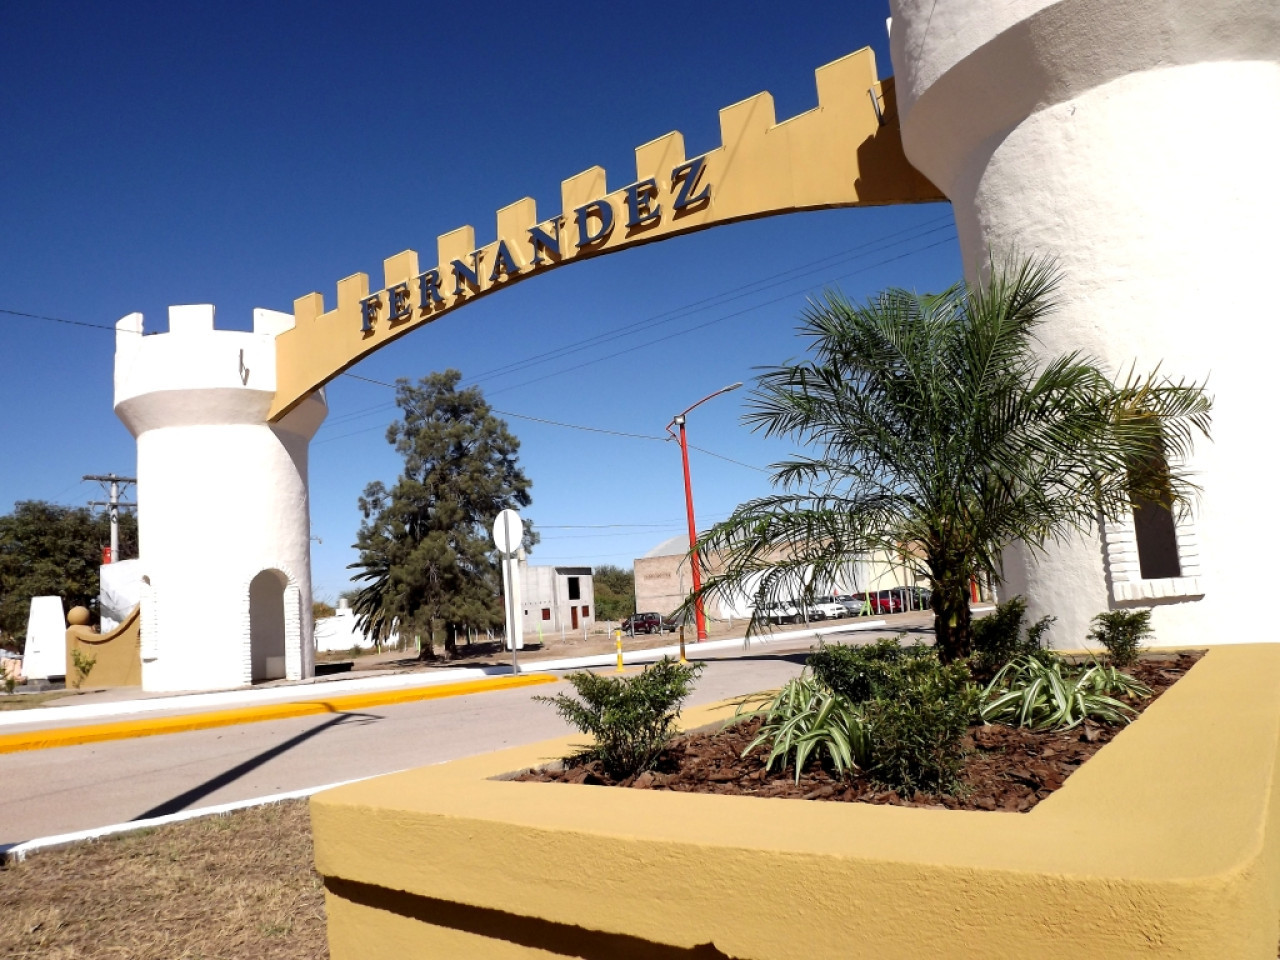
939,437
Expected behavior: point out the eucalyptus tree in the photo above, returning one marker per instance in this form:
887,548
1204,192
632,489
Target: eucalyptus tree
936,433
426,556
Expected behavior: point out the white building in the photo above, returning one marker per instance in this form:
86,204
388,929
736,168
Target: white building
556,600
663,581
339,632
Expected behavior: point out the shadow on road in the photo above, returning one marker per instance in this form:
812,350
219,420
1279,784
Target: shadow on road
184,800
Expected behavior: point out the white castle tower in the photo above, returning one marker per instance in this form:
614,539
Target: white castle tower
1136,142
223,514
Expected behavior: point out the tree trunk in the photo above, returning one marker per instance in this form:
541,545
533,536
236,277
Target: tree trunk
451,639
952,619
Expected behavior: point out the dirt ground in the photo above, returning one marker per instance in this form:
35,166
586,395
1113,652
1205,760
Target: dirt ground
1005,768
228,887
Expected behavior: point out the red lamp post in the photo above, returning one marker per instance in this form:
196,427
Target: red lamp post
678,420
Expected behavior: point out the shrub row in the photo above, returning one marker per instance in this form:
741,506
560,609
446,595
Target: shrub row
894,712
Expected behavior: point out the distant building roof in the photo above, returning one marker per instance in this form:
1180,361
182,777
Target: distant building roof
676,546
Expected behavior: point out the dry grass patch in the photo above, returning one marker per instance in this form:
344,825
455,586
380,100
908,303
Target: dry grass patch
219,888
25,701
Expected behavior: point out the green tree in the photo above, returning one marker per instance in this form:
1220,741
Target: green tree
426,551
936,427
615,590
51,550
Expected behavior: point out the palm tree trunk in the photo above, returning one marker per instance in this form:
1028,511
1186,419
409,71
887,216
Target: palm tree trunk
952,619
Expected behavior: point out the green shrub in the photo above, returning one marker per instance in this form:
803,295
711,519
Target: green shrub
999,637
917,735
1122,632
894,712
632,719
880,669
1051,696
806,719
83,664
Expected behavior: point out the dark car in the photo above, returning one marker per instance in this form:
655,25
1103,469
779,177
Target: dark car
642,623
913,598
673,623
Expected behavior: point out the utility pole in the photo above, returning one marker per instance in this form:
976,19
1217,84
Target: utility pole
113,486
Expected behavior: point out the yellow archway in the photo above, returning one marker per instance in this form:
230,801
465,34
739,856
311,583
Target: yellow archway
845,152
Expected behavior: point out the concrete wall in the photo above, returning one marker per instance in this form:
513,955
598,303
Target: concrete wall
546,603
663,583
340,632
1165,844
1136,142
222,497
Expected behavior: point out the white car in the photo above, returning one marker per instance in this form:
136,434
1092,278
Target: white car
828,609
784,611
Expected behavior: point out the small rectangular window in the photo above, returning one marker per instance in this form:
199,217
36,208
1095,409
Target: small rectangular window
586,611
546,613
575,588
1157,540
1153,521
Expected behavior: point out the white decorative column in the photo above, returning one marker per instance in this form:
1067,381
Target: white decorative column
223,514
1136,142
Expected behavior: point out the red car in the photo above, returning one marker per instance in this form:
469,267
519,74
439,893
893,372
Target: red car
882,601
642,623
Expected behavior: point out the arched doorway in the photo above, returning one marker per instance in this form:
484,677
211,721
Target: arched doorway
267,626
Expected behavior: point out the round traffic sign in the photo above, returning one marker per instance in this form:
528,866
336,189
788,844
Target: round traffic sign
508,531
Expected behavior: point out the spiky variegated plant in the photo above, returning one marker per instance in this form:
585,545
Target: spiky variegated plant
939,436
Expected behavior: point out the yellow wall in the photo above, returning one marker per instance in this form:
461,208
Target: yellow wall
1163,845
117,654
841,153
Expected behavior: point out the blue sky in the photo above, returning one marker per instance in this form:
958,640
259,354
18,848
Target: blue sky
247,154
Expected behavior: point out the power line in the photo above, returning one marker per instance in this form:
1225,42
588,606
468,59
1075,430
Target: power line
724,297
675,528
608,526
504,413
729,316
721,456
74,323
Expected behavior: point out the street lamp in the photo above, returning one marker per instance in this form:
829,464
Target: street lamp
700,617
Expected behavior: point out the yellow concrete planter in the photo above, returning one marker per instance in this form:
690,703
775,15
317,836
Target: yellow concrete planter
1163,845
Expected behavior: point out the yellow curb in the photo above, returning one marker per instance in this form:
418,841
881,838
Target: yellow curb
152,726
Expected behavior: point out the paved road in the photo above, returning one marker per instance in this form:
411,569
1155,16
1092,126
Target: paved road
48,792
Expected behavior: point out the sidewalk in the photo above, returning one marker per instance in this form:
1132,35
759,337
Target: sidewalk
113,715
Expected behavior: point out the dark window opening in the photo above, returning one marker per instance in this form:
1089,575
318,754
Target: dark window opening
575,588
586,610
546,613
1157,540
1153,522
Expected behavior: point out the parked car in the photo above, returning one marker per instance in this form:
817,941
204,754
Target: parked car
880,602
833,608
642,623
913,598
784,611
673,623
853,603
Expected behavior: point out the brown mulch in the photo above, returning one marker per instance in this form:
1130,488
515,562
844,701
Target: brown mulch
1006,768
235,886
